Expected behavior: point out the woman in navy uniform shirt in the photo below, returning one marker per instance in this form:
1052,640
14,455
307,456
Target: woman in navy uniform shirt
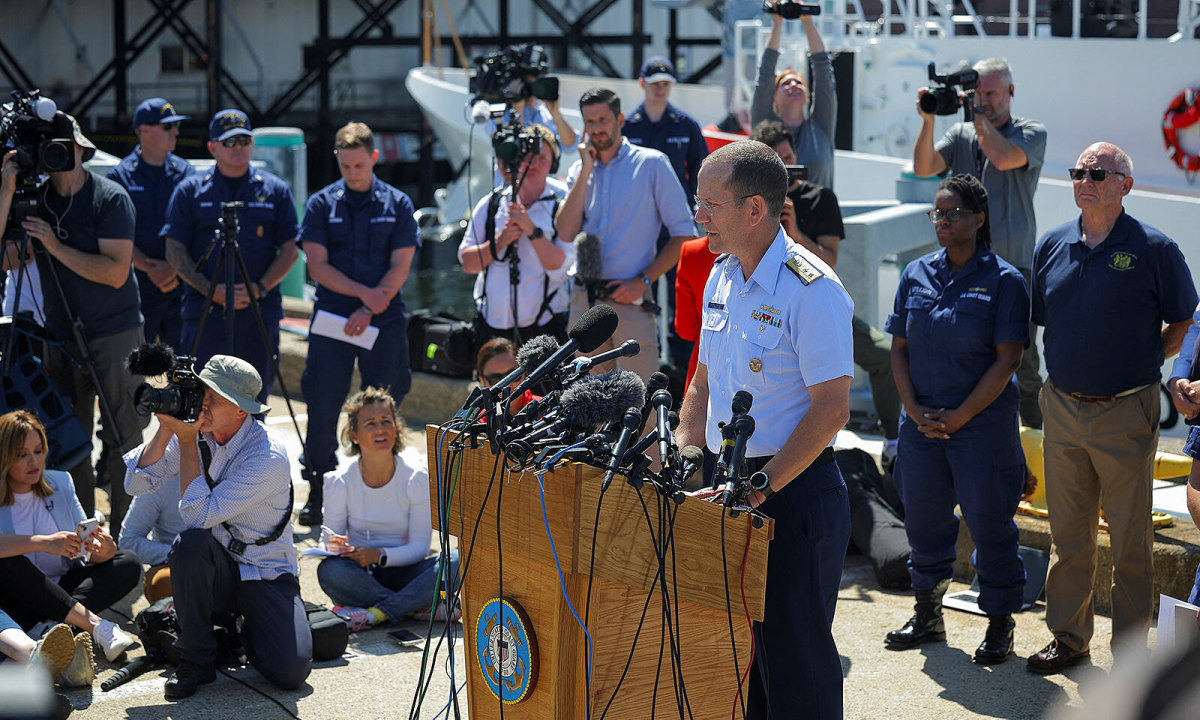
959,326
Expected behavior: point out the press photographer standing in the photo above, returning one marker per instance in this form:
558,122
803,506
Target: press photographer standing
266,235
236,555
85,225
1005,153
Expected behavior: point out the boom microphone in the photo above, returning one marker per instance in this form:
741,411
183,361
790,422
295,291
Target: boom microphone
589,265
589,332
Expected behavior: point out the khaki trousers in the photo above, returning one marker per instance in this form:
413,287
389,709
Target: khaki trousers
633,322
1099,454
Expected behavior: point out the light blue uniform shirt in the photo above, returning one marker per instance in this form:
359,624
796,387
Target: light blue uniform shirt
628,200
772,335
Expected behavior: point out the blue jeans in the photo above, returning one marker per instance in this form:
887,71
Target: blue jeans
397,591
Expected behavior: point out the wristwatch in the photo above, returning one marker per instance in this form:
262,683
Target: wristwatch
382,558
537,233
645,278
760,482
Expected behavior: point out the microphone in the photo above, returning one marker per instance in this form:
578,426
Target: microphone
589,263
693,460
742,401
629,424
589,332
532,354
480,112
657,381
629,348
743,428
592,402
45,108
662,405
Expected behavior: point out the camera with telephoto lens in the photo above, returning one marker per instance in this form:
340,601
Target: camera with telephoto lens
44,143
790,9
514,142
945,100
183,396
505,75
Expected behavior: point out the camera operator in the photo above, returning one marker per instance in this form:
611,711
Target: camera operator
150,174
534,300
359,236
236,554
1005,153
266,237
785,97
85,224
624,194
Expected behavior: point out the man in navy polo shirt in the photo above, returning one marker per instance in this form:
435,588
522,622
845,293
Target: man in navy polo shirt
359,236
266,236
658,124
149,174
1116,299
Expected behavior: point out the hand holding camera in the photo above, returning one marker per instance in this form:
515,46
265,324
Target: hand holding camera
945,99
781,10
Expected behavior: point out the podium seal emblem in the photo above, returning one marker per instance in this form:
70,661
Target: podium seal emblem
506,650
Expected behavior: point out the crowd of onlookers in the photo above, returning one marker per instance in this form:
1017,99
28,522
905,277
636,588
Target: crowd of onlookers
201,512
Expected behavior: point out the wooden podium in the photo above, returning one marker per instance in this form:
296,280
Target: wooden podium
623,574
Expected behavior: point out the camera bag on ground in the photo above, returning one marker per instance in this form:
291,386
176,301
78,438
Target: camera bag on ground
440,343
158,628
330,634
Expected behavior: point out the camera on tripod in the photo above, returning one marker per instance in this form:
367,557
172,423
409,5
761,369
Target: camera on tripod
182,398
44,141
514,142
229,217
790,9
945,100
513,74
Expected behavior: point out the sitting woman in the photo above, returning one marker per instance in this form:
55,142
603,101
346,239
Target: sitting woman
377,520
44,572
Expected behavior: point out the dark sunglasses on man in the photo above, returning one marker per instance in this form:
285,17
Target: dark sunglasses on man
1096,174
236,141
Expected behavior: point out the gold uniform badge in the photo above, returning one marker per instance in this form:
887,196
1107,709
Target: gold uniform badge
755,365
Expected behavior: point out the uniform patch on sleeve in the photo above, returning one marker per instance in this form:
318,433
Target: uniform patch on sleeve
803,269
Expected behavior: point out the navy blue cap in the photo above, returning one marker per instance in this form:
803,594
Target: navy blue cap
155,111
227,123
657,69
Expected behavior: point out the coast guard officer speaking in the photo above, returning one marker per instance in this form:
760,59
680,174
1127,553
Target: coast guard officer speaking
777,324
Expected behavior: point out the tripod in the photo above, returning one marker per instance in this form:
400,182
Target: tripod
229,259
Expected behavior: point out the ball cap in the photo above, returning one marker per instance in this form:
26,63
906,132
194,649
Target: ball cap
155,111
227,123
657,69
235,380
89,150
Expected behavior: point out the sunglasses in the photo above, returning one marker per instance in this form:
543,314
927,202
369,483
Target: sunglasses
494,378
953,214
1096,174
237,140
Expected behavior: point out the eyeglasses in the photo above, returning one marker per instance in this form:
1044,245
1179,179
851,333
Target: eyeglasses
1096,174
168,127
493,378
236,140
710,206
953,214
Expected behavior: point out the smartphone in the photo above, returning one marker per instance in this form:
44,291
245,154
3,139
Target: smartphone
84,530
406,637
796,172
546,88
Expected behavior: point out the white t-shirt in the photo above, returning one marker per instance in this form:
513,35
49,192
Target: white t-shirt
31,516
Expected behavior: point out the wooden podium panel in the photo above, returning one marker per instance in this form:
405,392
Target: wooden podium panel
508,554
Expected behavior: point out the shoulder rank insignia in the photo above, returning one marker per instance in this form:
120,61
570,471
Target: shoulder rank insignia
803,269
721,259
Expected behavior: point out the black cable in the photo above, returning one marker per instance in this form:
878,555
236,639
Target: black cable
283,707
729,615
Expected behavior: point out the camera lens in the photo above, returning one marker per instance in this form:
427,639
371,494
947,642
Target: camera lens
57,156
148,399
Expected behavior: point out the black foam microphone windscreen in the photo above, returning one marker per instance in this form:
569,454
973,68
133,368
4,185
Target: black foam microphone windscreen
594,327
589,265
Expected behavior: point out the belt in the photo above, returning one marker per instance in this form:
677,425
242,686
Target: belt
824,458
1108,398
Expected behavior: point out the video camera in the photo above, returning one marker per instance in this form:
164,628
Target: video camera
790,9
945,100
504,76
182,398
44,141
514,142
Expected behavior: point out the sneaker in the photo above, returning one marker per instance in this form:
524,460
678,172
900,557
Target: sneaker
188,676
440,614
112,639
81,672
357,618
54,650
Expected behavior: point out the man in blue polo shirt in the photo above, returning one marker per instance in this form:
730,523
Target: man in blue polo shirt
359,236
623,194
658,124
150,174
266,236
1116,298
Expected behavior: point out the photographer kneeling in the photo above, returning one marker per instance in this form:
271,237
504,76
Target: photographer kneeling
236,555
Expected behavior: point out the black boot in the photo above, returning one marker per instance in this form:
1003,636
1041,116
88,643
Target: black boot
310,515
926,623
997,643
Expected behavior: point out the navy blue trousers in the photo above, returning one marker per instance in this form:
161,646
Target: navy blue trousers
798,664
247,342
981,468
326,383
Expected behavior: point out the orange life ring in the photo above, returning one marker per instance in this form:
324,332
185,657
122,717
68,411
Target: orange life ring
1182,112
